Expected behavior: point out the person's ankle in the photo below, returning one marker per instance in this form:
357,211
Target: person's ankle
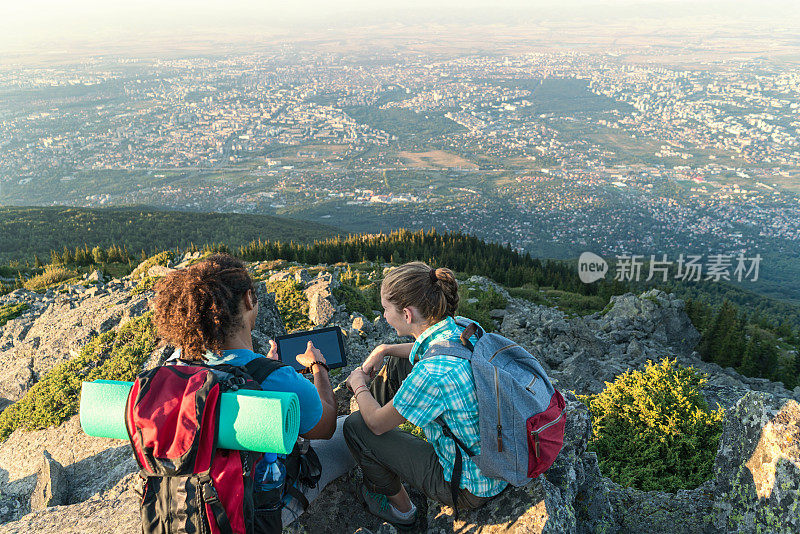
401,501
408,514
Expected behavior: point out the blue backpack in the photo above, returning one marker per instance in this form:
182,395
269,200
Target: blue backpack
521,415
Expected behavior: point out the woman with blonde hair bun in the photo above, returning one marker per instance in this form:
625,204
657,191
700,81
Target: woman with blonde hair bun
420,302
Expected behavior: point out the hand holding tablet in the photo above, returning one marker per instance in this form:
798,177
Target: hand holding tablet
327,340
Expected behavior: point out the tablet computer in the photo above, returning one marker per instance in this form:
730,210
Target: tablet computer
327,340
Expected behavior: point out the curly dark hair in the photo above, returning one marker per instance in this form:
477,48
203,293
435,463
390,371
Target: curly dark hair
197,308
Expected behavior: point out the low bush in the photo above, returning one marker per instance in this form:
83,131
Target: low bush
292,304
653,430
114,355
52,275
11,311
487,301
145,284
354,300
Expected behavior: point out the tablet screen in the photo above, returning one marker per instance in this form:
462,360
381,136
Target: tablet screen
327,340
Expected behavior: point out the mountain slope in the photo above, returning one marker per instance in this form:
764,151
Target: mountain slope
35,230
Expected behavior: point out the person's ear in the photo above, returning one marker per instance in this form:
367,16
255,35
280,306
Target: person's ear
250,300
408,315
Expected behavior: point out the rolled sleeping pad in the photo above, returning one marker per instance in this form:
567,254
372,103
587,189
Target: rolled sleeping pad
249,420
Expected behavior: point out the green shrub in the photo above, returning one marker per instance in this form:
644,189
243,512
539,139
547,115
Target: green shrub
479,311
144,284
529,292
11,311
53,274
292,304
653,430
575,303
353,299
491,300
114,355
5,288
162,258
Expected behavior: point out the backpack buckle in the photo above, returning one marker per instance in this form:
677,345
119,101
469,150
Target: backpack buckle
235,382
210,495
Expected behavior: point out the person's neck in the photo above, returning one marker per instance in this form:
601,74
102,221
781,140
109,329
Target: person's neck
241,340
418,330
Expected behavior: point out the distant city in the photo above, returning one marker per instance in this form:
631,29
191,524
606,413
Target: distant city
551,152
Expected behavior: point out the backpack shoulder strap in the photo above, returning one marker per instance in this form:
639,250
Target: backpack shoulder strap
447,348
260,368
458,462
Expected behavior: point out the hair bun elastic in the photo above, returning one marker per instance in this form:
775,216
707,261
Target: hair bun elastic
434,278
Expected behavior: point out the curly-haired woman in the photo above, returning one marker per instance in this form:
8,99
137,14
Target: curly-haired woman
208,311
420,302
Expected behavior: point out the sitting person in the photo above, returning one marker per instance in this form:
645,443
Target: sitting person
421,302
208,311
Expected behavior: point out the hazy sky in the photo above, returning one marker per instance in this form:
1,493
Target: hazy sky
28,24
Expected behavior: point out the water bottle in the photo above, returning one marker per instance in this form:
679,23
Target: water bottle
270,473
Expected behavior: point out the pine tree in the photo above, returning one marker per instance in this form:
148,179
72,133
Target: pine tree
98,255
749,366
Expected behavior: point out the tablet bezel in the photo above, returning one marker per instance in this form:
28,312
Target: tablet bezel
339,337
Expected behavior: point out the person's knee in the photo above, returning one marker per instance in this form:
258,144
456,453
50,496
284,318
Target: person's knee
353,425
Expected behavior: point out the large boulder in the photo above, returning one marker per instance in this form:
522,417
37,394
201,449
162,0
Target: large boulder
114,511
320,309
657,315
268,322
90,464
757,468
51,485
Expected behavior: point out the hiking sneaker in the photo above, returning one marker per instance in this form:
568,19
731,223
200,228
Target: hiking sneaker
379,506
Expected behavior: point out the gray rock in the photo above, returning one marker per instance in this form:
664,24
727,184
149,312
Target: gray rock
95,276
115,511
684,512
656,313
280,276
54,330
361,324
320,309
268,322
302,276
757,468
51,485
159,270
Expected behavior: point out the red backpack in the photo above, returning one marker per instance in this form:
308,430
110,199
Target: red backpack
189,485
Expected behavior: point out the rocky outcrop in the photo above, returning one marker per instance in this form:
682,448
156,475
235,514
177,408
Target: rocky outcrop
51,484
268,322
89,464
322,305
757,469
113,511
756,472
584,353
56,326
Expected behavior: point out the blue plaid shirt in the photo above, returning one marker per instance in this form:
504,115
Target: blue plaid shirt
443,385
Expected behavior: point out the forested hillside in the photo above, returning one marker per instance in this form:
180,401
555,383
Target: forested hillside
26,232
